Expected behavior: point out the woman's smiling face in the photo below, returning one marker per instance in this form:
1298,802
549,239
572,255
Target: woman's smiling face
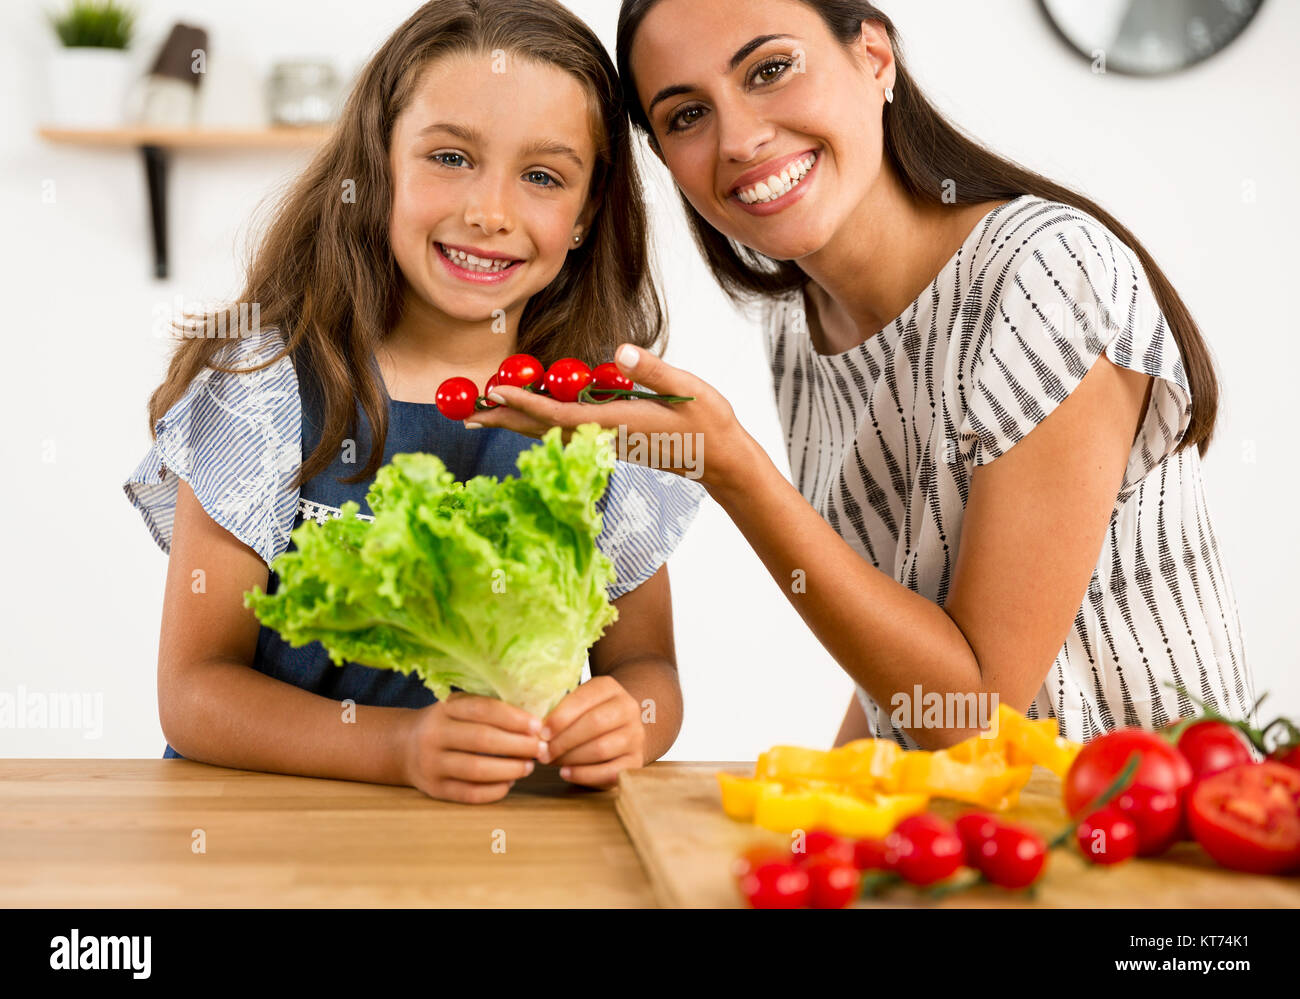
493,164
739,92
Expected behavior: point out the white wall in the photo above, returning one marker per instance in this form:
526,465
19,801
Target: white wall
83,588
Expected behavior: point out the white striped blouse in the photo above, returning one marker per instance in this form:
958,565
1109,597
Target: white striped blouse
884,437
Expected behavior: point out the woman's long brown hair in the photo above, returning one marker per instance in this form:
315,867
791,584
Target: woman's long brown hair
324,273
929,153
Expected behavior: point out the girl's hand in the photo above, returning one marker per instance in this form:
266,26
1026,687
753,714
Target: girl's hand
470,749
595,732
709,418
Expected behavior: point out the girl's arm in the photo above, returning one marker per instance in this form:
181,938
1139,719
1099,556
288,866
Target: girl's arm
215,708
1034,525
630,711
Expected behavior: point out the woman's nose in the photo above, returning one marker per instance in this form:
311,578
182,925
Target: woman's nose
741,132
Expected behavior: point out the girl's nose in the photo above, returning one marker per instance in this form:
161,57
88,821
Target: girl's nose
488,209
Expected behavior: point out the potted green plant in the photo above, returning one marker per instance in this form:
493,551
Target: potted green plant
91,71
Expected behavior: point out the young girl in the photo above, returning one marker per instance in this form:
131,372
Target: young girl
477,199
995,404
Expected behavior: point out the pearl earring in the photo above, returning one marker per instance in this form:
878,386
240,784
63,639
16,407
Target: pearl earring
889,95
577,238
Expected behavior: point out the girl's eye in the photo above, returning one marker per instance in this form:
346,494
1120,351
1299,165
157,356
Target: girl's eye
444,157
764,74
541,178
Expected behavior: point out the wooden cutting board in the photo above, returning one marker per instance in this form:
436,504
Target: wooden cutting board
673,815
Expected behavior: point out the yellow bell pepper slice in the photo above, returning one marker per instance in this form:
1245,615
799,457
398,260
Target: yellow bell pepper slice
1035,741
793,762
871,818
785,811
740,794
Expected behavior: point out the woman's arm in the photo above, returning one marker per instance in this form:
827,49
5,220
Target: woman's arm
1034,525
1033,530
854,725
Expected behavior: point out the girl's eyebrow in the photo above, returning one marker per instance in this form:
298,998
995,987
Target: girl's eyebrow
736,60
538,147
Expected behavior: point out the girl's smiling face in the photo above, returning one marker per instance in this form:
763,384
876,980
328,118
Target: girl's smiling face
739,92
493,165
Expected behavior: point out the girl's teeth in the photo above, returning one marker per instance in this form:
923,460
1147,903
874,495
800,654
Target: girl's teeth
473,263
778,186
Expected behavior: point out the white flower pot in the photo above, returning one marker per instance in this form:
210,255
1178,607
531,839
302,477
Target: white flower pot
88,87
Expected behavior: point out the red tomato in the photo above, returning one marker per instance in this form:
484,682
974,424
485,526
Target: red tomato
607,376
1212,746
1157,816
755,857
1107,836
974,828
820,843
487,390
1248,818
520,370
1161,767
1012,857
566,378
1288,756
928,848
456,397
833,884
781,885
873,855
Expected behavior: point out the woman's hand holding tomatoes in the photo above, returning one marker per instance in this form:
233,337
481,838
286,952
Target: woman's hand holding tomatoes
707,413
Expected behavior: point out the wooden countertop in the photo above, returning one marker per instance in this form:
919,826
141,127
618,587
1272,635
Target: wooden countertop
107,833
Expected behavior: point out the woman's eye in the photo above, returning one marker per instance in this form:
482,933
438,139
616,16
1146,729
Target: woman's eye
444,157
772,70
541,178
682,119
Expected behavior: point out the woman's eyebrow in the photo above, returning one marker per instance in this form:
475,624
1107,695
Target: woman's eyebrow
736,60
538,147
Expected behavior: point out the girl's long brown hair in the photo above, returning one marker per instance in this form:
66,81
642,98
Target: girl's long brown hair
928,152
324,273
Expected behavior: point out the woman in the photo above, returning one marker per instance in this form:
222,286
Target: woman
995,403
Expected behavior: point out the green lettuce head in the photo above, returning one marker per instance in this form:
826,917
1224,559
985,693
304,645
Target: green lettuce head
494,587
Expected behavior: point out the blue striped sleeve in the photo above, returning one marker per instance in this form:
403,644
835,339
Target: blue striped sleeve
237,440
646,513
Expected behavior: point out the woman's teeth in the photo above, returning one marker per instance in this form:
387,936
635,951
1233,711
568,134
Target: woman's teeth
473,263
778,185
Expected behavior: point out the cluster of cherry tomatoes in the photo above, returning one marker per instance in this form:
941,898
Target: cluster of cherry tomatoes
825,871
1197,780
567,380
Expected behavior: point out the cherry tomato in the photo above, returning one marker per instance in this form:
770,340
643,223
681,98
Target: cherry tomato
1012,857
1107,836
820,843
520,371
928,848
1161,767
456,397
487,390
874,855
1288,756
566,378
833,884
781,885
1212,746
1156,815
1248,818
607,376
974,828
755,857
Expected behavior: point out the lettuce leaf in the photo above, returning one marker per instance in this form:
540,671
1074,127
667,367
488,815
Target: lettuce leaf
494,587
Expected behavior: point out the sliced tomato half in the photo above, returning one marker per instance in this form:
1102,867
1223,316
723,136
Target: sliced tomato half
1248,817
